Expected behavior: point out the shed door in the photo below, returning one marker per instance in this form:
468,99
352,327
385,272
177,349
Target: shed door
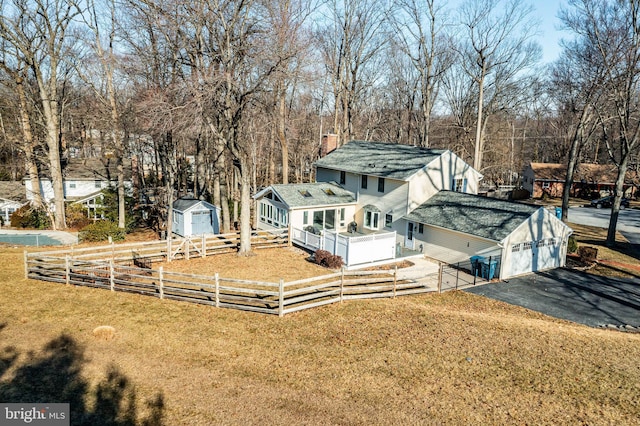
201,222
533,256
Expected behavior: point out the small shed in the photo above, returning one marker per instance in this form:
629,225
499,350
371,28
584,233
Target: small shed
522,238
195,217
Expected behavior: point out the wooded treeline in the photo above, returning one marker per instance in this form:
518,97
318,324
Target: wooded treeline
244,89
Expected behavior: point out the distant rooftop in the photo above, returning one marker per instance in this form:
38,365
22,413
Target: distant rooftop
381,159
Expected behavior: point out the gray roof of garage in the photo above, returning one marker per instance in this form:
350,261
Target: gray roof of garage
313,194
382,159
483,217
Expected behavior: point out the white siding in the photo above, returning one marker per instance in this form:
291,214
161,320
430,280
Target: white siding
542,226
72,188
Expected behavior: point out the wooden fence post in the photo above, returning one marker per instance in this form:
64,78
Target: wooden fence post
169,256
395,280
26,264
160,282
281,298
341,283
113,249
439,277
204,246
217,278
67,270
112,282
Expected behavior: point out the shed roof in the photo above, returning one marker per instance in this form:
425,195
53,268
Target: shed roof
381,159
484,217
103,169
184,204
311,194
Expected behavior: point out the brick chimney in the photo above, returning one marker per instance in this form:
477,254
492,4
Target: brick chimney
329,143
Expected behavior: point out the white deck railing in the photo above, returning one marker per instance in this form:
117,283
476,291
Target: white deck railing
354,250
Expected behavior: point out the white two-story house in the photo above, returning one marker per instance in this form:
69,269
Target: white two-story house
83,182
423,200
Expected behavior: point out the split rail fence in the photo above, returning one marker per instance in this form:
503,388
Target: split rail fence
128,268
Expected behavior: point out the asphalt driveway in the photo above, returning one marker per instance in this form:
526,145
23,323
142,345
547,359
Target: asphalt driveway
571,295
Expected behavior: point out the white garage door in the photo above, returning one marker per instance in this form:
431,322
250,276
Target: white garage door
532,256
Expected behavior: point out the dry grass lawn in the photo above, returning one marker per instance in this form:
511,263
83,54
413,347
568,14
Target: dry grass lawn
453,358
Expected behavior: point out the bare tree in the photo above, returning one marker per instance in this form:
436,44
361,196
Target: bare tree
102,39
37,31
609,31
420,30
497,48
350,42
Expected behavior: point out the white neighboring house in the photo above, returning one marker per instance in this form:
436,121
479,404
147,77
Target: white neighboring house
426,199
195,217
83,182
12,197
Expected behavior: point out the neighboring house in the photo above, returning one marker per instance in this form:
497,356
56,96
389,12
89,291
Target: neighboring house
12,197
548,178
522,238
83,182
195,217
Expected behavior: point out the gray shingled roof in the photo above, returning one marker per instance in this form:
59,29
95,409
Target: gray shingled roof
184,204
14,191
89,169
379,159
292,194
484,217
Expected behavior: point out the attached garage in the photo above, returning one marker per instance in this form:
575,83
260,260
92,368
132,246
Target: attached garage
452,227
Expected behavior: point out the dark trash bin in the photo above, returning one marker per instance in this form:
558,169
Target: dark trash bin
488,268
476,262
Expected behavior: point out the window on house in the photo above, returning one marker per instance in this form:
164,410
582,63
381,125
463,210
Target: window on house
459,185
329,192
72,185
364,182
371,219
546,185
273,215
343,215
388,220
421,228
305,193
380,184
98,184
324,219
343,178
305,218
